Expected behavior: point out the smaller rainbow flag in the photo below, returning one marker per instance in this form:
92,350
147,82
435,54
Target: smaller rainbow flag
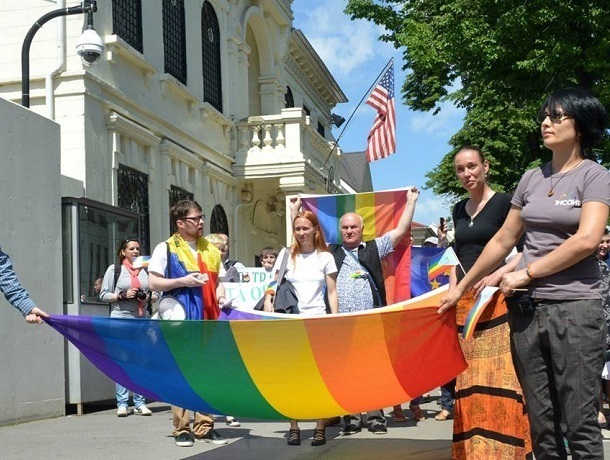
475,312
141,261
441,262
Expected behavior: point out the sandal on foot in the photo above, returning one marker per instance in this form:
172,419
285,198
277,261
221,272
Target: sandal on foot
319,437
294,437
442,415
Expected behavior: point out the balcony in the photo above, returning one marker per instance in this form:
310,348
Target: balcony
283,145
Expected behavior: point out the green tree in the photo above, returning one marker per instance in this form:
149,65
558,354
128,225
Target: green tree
498,60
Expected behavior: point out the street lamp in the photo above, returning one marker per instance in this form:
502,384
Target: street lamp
90,45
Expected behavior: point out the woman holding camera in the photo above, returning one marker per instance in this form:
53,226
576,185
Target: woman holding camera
128,296
557,333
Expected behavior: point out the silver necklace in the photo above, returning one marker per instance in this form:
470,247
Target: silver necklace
482,205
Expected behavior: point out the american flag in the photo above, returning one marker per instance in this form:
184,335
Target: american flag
382,137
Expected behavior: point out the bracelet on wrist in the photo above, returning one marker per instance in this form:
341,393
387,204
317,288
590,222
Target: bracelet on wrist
528,271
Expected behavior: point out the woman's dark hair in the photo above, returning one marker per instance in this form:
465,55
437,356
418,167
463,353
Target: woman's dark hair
586,110
124,244
474,148
267,251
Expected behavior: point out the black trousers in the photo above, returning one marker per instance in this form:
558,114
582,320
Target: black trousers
558,350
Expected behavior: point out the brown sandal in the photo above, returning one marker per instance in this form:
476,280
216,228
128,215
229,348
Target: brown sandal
294,437
319,437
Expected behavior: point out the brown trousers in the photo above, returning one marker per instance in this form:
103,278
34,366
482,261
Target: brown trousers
182,422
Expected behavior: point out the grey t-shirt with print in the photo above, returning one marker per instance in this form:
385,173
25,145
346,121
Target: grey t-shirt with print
551,220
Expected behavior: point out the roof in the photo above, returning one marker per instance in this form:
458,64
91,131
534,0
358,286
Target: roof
355,170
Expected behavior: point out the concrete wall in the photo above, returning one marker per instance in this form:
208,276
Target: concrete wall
32,358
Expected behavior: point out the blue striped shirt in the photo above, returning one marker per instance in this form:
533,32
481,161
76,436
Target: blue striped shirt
11,287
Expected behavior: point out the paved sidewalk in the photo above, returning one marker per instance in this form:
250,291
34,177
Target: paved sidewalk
102,435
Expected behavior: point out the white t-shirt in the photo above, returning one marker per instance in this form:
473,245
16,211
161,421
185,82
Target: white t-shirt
308,276
158,260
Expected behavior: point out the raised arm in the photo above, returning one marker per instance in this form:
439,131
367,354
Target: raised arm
404,223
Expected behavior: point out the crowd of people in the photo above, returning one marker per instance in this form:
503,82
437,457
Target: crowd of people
533,386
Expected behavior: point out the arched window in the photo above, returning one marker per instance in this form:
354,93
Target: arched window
127,22
288,98
174,39
218,221
210,59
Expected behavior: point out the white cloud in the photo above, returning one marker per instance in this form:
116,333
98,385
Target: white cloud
440,125
344,45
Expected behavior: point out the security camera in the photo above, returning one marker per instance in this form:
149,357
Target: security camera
90,47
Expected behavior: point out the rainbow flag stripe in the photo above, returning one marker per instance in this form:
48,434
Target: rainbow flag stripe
441,263
277,369
477,309
381,212
141,261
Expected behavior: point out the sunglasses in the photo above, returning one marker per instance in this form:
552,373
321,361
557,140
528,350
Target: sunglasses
129,240
556,116
195,219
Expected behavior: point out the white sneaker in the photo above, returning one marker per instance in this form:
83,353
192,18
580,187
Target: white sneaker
233,422
142,410
122,412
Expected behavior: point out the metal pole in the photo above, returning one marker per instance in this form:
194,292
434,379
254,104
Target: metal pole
85,7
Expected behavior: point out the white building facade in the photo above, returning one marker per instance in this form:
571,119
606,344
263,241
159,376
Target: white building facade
221,101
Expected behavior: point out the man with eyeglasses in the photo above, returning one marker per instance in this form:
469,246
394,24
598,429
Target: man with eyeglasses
185,267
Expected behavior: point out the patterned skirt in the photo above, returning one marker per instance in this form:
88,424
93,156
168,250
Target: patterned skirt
490,421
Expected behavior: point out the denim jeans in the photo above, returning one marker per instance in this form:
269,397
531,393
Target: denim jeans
122,397
447,396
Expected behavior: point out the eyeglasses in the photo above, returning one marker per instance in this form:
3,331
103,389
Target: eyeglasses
129,240
555,116
195,219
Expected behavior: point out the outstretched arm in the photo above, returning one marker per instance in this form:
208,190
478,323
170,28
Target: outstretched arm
404,224
16,295
495,251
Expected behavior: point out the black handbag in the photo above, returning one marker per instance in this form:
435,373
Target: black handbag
285,299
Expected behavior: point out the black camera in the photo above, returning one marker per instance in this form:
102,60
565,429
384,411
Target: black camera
141,295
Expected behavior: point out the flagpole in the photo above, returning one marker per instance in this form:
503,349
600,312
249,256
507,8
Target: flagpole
368,92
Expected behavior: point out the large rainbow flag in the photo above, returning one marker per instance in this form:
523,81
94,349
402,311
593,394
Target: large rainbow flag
381,212
293,368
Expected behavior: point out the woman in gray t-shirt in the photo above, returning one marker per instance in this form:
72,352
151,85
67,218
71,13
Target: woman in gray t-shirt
558,328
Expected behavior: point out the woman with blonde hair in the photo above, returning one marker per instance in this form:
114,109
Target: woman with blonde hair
312,270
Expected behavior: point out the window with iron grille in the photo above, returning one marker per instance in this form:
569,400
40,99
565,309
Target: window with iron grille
174,39
127,22
288,98
133,195
210,49
177,194
218,221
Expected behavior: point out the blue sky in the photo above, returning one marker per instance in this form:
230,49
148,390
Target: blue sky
355,57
